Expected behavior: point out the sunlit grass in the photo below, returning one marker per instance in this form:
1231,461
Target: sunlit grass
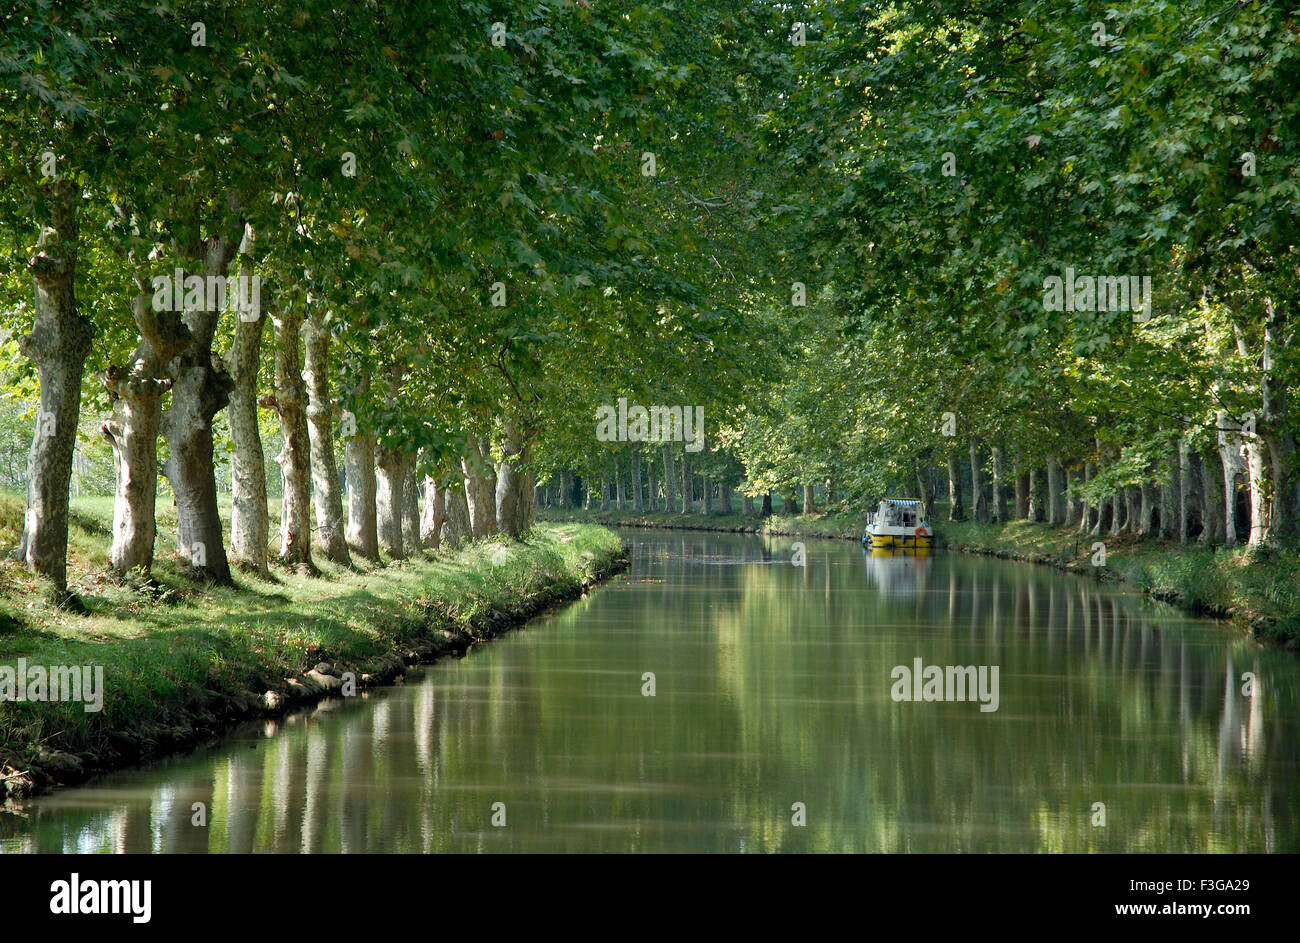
186,647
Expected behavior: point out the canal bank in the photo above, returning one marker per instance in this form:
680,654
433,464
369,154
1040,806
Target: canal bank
185,663
1258,591
717,698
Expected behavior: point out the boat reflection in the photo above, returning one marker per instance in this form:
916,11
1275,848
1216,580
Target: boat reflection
898,573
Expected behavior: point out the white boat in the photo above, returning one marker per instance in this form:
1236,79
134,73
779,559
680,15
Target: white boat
898,524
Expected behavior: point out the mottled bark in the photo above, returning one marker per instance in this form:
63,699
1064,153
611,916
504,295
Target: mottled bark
1257,470
1231,464
1147,513
1038,496
999,508
1133,510
480,486
391,470
1188,492
363,519
1087,523
956,508
250,525
136,389
327,497
410,508
513,498
58,345
687,489
1022,496
807,498
924,487
434,513
1170,496
979,503
638,497
200,390
456,529
290,403
670,497
1055,492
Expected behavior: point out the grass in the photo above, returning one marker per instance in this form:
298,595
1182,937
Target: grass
1258,589
183,660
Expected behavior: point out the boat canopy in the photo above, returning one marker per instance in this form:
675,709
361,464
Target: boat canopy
903,502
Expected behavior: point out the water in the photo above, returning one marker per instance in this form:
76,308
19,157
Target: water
772,687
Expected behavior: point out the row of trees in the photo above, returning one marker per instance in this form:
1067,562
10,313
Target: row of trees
949,165
465,228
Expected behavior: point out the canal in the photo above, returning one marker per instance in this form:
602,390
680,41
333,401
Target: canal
719,698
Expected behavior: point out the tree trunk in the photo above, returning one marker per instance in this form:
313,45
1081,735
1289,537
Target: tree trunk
979,503
1230,461
1038,505
1133,510
359,467
1147,515
924,487
513,492
670,496
434,514
747,505
1259,477
410,507
1170,496
363,518
456,529
1022,497
1087,471
1055,492
250,524
388,499
1212,498
58,345
724,497
137,390
326,495
620,490
290,402
688,497
956,510
807,498
480,487
638,498
200,390
766,510
999,508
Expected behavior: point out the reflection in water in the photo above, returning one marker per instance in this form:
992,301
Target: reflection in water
772,687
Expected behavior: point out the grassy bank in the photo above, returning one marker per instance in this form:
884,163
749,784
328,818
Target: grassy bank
182,662
1259,591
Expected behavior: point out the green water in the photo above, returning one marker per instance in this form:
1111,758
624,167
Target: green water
772,687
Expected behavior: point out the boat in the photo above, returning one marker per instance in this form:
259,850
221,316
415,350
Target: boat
897,524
